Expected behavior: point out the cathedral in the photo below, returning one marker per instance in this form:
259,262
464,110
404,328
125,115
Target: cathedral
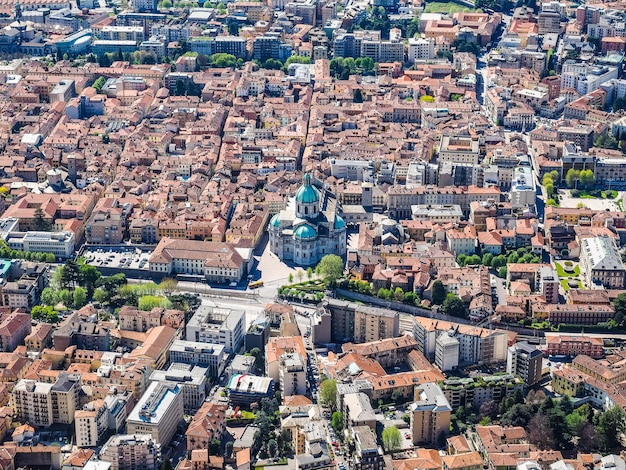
309,228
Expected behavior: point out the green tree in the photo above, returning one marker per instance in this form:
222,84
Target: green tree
69,275
49,296
65,297
168,285
461,259
502,272
40,222
619,304
487,259
228,447
272,447
331,268
214,447
148,302
357,96
473,260
392,439
572,177
454,306
79,297
438,292
309,273
328,393
611,426
336,421
290,278
258,358
498,261
87,277
587,179
233,27
100,295
398,294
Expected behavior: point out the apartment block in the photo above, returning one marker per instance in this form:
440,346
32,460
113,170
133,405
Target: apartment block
13,329
292,374
217,326
211,356
158,412
574,345
131,452
525,361
91,423
368,454
191,378
430,414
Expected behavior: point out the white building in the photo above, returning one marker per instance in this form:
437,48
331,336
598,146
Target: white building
192,380
311,231
585,78
217,326
211,356
352,170
439,213
523,190
158,412
32,403
447,352
60,244
292,374
475,344
601,263
421,49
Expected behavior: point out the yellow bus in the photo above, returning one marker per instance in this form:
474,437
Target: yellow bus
255,284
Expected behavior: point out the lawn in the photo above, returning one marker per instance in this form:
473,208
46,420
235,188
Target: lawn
445,7
565,285
608,194
562,273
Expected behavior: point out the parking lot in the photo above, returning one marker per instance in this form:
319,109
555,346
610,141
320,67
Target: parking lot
118,257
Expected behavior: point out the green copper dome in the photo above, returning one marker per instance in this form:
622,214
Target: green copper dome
304,232
275,222
307,194
339,223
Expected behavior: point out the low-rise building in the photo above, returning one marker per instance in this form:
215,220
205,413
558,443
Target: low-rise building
208,423
573,345
246,389
13,329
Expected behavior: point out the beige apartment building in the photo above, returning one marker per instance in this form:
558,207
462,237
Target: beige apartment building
131,452
430,414
91,423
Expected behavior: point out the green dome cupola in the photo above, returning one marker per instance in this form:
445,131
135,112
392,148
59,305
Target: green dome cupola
305,232
307,199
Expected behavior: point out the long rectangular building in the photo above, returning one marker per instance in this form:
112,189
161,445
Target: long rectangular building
158,412
212,261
